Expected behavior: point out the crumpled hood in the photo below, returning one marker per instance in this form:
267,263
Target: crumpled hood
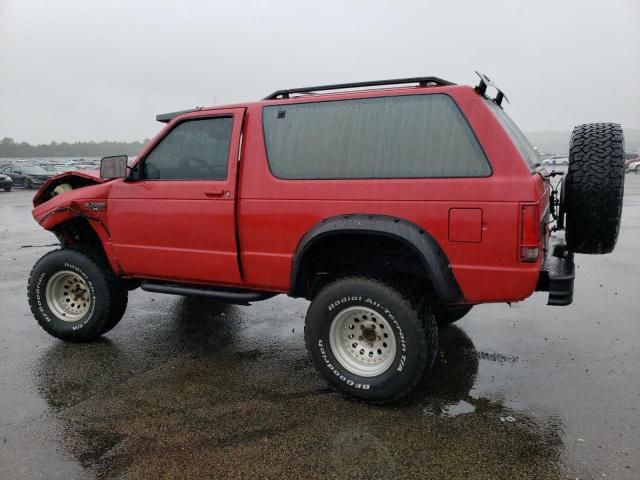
76,179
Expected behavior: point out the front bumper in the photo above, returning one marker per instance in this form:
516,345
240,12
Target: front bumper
557,273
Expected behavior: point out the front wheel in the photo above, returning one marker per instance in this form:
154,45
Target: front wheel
73,297
368,341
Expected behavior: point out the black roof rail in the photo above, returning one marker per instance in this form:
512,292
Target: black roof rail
167,117
421,81
482,89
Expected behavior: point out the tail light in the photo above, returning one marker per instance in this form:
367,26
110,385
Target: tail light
530,233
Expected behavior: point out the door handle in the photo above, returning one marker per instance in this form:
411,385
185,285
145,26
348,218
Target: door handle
214,193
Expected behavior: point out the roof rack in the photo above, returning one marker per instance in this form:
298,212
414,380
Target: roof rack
482,89
421,81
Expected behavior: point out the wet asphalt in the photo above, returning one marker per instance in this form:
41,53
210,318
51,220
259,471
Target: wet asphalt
186,388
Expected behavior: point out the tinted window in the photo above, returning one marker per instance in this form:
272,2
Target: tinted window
196,149
389,137
522,143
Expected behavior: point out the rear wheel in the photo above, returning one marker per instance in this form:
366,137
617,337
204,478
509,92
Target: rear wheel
27,183
594,187
368,341
72,297
7,189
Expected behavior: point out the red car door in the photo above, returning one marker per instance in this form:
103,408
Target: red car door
177,221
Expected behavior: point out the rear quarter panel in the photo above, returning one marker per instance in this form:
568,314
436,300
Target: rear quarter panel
274,214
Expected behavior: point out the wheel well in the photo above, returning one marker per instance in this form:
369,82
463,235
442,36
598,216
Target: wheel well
384,257
78,234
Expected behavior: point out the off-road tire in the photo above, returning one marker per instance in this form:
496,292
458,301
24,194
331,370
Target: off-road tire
104,291
594,187
119,306
449,315
416,337
120,290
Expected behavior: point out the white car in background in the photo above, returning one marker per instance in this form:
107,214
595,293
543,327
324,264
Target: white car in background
556,161
634,166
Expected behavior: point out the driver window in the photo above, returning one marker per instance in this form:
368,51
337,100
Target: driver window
194,150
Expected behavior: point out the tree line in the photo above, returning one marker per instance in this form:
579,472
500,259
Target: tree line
10,148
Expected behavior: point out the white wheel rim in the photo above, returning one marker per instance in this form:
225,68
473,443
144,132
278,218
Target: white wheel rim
67,296
362,341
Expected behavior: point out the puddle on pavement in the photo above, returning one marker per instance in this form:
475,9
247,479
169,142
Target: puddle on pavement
459,408
217,391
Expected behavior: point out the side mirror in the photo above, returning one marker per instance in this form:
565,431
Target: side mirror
113,167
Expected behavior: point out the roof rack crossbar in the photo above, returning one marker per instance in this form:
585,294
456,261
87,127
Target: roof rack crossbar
421,81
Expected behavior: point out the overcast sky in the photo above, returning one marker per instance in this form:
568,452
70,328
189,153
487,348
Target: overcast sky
95,70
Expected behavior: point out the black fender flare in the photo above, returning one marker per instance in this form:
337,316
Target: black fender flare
433,257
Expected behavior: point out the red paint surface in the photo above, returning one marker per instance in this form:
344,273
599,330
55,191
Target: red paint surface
173,230
465,225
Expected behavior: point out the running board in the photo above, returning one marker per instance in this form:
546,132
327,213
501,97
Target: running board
228,295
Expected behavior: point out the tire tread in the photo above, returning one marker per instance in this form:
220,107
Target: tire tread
423,323
594,187
105,321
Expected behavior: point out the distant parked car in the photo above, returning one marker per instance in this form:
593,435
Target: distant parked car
634,166
86,166
631,158
57,169
554,161
6,182
27,176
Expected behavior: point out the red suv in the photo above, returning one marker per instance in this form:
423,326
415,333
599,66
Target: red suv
394,206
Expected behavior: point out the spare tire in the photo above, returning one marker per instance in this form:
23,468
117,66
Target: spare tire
594,187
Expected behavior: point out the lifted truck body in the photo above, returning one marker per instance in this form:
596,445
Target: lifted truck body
245,232
393,210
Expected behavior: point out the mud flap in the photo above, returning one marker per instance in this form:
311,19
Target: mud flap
557,274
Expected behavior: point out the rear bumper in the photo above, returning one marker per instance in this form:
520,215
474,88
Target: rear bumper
557,273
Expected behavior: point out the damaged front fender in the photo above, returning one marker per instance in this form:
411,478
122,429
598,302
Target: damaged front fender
74,207
66,182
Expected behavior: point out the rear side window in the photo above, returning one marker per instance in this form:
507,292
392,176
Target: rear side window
517,137
409,136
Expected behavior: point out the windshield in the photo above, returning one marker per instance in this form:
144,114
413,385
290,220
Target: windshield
34,170
519,139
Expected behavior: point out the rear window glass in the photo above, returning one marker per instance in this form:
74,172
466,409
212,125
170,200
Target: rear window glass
529,154
388,137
